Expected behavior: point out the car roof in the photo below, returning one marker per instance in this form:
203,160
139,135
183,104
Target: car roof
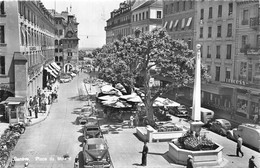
223,121
95,141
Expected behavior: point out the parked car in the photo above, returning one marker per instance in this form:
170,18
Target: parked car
65,80
92,129
179,111
206,115
220,126
250,133
96,154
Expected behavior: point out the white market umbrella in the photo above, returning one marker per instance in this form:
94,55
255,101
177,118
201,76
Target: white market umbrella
108,97
136,99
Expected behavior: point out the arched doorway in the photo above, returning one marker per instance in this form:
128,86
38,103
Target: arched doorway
68,67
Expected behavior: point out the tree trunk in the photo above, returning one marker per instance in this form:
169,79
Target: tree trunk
148,103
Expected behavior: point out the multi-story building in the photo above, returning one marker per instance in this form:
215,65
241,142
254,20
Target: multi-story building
215,31
119,23
244,83
26,48
66,42
178,20
146,15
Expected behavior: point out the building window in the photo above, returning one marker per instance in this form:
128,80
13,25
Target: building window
209,32
243,71
2,65
210,12
56,58
201,32
250,72
140,16
172,8
244,41
201,14
229,30
245,17
56,50
147,14
258,41
184,4
60,32
56,42
69,53
219,31
209,52
229,46
61,59
159,14
178,7
60,50
217,77
143,15
2,7
220,11
230,8
133,18
2,34
218,52
136,17
228,73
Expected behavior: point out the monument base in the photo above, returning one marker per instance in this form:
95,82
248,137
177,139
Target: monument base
195,126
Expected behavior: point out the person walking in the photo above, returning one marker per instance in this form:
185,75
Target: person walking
190,162
131,121
255,119
144,154
239,146
36,110
251,163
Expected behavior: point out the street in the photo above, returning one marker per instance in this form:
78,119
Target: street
44,145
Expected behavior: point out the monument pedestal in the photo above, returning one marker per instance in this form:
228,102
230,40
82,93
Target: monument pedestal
195,126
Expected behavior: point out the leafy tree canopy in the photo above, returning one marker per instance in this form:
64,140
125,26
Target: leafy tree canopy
132,56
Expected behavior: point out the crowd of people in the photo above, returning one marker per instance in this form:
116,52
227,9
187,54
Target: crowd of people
38,103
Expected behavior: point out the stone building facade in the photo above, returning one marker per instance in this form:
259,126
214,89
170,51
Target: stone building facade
26,47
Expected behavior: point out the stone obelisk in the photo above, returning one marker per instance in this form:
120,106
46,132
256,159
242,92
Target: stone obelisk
196,123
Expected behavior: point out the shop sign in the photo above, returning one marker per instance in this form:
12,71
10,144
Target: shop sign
7,87
253,51
32,48
237,82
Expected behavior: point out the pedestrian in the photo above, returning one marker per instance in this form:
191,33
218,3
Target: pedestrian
255,119
30,111
251,163
239,146
136,120
144,154
190,162
131,121
36,110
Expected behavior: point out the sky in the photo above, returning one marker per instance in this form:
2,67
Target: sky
91,16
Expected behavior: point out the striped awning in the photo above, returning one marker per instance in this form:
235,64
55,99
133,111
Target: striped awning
50,71
176,22
183,23
165,24
53,70
56,66
189,21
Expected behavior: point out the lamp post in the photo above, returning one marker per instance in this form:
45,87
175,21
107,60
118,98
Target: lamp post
196,123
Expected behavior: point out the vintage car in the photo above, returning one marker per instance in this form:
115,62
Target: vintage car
220,126
85,113
92,129
179,111
250,133
95,153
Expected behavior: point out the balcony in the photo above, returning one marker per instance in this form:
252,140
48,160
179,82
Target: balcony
255,23
247,50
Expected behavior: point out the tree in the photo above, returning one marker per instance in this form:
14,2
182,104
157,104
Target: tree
123,61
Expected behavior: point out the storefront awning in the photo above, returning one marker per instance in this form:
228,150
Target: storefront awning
50,71
171,23
183,23
53,70
56,66
15,100
189,21
176,23
165,24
